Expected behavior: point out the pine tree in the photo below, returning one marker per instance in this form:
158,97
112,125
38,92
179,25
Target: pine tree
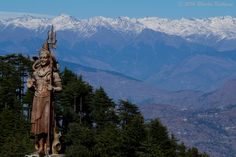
132,129
158,142
103,110
181,150
8,84
14,137
193,152
75,99
80,141
105,123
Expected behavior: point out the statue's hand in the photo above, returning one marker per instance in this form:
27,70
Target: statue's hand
50,87
30,83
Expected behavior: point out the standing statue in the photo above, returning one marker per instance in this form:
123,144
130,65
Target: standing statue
44,81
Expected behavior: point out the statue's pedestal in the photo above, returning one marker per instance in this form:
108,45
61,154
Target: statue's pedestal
32,155
52,155
56,155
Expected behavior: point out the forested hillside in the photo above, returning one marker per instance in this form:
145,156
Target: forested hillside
93,124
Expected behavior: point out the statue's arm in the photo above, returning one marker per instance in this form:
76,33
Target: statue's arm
31,83
57,86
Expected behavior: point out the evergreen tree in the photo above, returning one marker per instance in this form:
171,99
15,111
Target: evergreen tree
193,152
8,84
103,110
13,72
105,123
132,129
181,150
159,139
107,142
75,99
14,137
80,141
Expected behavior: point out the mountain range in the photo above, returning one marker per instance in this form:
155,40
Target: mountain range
155,50
175,69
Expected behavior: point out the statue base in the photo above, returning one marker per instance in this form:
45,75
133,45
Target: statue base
51,155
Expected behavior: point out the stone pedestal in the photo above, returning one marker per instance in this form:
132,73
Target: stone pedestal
52,155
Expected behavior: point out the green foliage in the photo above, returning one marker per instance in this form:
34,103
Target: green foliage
181,150
8,84
75,99
158,139
193,152
13,70
107,142
80,140
103,110
14,137
132,129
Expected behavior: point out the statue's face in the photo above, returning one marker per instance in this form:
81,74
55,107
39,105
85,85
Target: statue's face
44,59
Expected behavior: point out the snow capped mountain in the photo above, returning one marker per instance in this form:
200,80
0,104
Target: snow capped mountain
26,21
223,27
220,27
64,22
124,24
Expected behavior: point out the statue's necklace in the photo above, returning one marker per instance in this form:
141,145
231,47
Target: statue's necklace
42,72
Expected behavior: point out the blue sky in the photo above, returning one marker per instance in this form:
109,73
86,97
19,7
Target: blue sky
80,9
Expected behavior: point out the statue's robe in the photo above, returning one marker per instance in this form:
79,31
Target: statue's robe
42,114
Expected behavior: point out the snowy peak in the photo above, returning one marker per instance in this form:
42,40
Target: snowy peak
223,27
121,24
64,22
26,21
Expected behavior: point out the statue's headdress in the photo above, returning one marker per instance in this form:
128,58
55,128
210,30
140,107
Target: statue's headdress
52,40
45,49
50,43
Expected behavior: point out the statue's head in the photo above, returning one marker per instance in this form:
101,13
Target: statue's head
44,57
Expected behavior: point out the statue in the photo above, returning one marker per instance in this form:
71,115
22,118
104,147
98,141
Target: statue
44,81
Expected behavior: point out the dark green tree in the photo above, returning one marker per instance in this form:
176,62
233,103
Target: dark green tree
80,141
75,99
14,137
159,139
193,152
103,110
132,129
8,84
105,123
181,150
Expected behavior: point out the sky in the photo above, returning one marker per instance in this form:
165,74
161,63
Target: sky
81,9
